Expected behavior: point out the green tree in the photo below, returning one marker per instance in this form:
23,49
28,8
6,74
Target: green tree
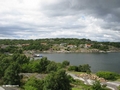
34,66
26,68
96,86
57,81
52,66
11,76
34,84
43,64
85,68
5,61
20,58
65,63
73,68
31,67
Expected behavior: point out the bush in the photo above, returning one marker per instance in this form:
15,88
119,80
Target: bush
65,63
107,75
34,84
84,68
73,68
96,86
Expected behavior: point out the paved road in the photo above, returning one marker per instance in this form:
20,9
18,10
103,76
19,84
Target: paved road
75,77
2,88
111,85
8,88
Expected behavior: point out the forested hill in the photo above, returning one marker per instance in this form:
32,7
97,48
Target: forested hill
58,45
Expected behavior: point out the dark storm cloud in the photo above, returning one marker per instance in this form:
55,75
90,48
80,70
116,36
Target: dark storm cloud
107,10
99,8
112,25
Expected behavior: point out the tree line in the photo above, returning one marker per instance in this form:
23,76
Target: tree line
46,44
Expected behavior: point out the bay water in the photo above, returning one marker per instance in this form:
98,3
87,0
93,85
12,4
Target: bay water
97,61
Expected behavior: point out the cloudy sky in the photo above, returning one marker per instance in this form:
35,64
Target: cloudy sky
34,19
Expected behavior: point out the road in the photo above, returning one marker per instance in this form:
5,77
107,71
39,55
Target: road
8,88
2,88
111,85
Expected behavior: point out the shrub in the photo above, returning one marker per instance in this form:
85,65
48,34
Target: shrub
107,75
73,68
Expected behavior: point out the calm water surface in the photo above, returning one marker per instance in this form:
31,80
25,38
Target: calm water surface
97,61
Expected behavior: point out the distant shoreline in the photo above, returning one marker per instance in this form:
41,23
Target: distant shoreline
76,52
32,53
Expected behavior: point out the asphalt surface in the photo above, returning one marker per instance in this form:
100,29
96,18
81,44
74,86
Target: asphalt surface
8,88
2,88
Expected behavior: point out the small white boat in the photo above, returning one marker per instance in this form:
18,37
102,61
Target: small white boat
37,55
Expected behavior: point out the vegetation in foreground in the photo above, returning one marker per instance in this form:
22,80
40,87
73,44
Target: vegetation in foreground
108,75
14,66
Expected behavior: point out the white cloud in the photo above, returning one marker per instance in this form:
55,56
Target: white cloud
32,19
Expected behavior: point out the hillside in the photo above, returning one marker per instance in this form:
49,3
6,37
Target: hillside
59,45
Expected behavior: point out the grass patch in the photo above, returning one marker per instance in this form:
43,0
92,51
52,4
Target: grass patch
75,88
79,85
118,79
74,72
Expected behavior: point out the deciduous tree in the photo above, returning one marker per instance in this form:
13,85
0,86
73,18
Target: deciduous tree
11,76
57,81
